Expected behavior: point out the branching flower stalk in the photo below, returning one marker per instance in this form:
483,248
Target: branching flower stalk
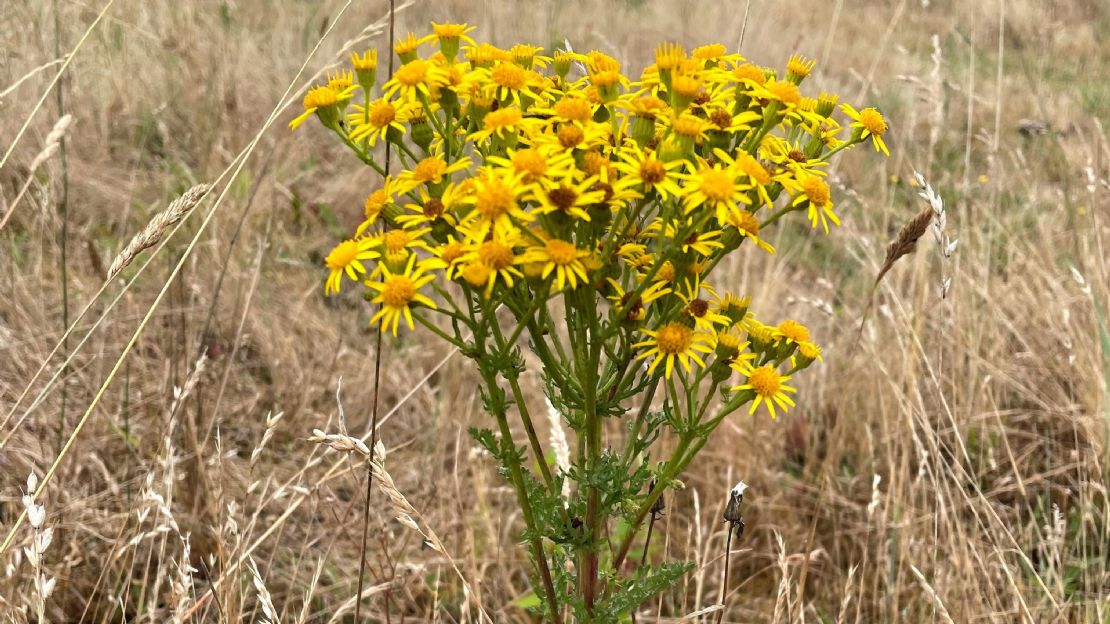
550,202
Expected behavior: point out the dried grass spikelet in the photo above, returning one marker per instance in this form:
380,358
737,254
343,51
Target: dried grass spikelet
156,229
50,146
902,245
906,241
265,599
847,600
404,512
782,596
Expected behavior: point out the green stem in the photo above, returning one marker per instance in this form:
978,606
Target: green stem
511,459
517,477
439,332
589,381
779,214
670,471
641,416
522,408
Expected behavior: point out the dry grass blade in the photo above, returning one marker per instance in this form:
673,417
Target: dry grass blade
158,226
282,103
404,511
57,77
942,612
15,85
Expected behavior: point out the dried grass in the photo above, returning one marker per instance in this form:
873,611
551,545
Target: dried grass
152,234
959,454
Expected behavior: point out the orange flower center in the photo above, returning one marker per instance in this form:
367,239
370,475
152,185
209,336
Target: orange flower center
494,199
476,274
430,169
652,171
530,162
320,97
509,75
573,108
666,272
396,240
382,114
375,202
398,292
452,252
570,135
785,92
502,118
816,190
686,86
561,252
495,255
747,71
744,221
412,73
674,338
688,126
873,121
765,381
755,171
716,185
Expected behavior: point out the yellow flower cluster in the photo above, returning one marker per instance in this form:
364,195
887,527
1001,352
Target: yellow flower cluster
529,177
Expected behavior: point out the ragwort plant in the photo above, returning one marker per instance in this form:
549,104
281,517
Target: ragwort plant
553,201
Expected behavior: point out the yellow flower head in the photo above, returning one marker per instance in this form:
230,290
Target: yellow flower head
414,79
561,258
406,47
782,91
346,259
674,341
572,108
340,80
868,122
668,56
496,205
484,55
323,101
792,331
373,123
498,255
798,67
768,386
452,31
397,293
368,61
815,192
749,74
528,56
710,52
501,123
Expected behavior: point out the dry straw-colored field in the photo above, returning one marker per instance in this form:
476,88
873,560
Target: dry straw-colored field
951,467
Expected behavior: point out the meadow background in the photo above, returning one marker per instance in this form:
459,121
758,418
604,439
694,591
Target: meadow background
951,467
